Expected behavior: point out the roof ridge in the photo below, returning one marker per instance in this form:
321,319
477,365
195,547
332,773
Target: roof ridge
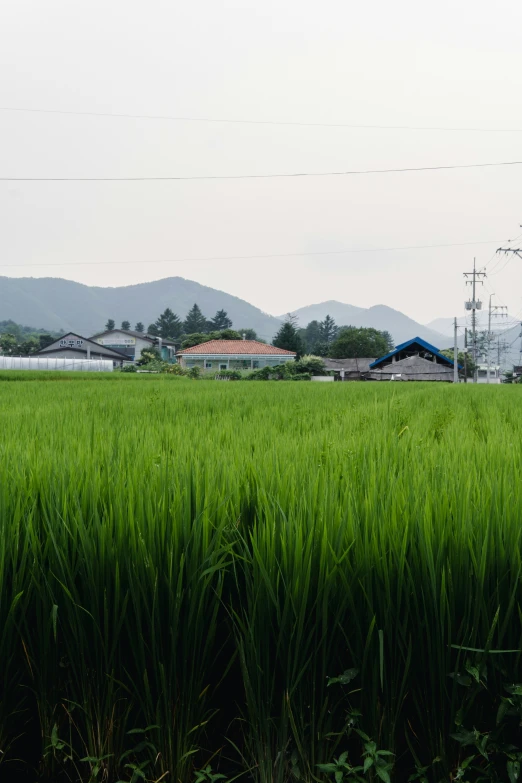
249,347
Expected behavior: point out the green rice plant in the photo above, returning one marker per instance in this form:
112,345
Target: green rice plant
207,558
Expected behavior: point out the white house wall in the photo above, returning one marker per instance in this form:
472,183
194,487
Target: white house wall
119,341
228,362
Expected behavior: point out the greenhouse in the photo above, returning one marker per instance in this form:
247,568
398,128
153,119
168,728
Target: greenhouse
54,363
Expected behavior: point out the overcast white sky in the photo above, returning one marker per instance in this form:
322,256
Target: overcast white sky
450,63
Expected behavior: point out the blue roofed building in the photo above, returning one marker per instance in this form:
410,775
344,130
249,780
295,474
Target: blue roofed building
414,360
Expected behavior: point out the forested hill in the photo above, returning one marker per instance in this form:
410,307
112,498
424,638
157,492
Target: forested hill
63,305
380,317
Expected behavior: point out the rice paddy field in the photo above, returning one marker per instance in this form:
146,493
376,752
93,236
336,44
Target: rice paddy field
269,582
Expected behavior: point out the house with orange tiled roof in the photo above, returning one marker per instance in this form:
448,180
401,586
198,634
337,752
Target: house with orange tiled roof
218,355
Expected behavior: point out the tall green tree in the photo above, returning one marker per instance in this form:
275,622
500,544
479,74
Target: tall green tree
288,337
153,330
139,327
328,330
314,339
29,346
220,321
311,334
169,325
390,342
125,324
109,326
8,344
44,340
357,342
195,321
320,349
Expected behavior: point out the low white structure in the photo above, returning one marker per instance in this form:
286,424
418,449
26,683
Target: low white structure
54,363
495,373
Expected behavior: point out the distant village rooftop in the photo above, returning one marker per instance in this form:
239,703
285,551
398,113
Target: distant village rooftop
235,347
217,355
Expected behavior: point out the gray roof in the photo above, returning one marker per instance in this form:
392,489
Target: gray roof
99,351
94,346
142,335
413,368
348,365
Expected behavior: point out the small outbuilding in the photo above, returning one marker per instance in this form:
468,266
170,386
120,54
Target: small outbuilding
489,373
132,344
414,360
348,369
74,346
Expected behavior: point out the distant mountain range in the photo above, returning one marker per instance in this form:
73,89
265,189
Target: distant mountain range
63,305
381,317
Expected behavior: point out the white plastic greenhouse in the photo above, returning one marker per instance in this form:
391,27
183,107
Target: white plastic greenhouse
54,363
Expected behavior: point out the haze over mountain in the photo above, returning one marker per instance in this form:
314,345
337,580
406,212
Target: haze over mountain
64,305
498,324
381,317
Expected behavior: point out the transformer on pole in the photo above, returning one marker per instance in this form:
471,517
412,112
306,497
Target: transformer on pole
474,304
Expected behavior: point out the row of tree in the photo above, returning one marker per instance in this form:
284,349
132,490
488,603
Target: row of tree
170,326
326,339
18,340
319,338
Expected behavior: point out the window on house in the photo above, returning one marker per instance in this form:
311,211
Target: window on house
255,364
223,366
208,365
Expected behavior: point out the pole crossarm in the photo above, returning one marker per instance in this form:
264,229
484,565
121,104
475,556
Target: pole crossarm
517,251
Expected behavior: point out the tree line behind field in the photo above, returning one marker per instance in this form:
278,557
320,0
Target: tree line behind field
17,340
194,329
319,338
326,339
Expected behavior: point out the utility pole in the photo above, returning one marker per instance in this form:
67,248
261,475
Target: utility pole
455,354
492,311
466,355
502,346
474,305
517,251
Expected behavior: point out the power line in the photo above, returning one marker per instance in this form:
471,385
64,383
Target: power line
492,274
254,256
500,259
494,256
230,121
259,176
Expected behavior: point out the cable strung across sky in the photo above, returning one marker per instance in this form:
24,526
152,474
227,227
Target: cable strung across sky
228,121
261,176
254,256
